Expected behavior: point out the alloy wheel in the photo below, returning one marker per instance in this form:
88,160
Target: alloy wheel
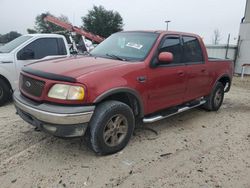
115,130
218,97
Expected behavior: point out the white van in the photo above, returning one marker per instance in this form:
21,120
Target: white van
24,50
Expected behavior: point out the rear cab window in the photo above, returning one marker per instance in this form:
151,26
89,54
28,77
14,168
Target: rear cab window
61,47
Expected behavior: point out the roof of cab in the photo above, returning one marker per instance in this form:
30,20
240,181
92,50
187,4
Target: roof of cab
165,32
44,35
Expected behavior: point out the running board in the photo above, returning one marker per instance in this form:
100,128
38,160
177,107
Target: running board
155,118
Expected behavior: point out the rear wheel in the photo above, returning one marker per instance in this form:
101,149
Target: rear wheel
215,99
111,127
5,93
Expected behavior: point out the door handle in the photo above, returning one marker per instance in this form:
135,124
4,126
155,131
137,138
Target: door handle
180,73
203,70
5,62
142,79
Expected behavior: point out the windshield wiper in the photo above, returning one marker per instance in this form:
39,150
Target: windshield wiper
116,57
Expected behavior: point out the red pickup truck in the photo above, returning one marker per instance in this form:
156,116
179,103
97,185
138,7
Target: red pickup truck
137,75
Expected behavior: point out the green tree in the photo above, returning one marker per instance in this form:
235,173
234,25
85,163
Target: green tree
102,22
42,26
9,36
31,31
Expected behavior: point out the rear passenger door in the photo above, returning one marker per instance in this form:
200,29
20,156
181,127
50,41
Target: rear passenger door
197,73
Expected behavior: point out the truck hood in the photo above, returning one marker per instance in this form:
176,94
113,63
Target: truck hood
75,66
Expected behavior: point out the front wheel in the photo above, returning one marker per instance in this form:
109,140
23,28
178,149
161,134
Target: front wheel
5,92
111,127
215,99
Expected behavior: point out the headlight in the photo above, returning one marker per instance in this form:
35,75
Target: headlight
66,92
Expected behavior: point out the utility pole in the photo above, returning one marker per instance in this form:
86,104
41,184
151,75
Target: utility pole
167,21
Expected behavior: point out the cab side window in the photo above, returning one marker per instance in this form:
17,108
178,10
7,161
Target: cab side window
192,50
41,48
61,47
173,44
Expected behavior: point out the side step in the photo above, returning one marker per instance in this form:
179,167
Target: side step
173,111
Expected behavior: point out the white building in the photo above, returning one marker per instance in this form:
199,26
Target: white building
244,42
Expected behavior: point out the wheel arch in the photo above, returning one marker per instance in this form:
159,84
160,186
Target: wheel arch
6,80
225,79
128,96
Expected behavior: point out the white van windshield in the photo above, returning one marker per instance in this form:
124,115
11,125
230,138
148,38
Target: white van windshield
7,48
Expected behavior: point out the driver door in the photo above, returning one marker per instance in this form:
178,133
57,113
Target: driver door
167,82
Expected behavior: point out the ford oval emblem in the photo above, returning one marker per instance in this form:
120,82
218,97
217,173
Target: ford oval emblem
28,84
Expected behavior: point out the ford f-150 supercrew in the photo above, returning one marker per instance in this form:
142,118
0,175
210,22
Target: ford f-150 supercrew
137,75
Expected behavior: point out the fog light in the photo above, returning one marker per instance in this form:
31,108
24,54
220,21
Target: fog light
49,128
78,131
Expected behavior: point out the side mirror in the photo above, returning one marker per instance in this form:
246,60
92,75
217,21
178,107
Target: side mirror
27,55
166,57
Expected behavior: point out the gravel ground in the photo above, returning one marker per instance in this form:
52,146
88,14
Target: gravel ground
193,149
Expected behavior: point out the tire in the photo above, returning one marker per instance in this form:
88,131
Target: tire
5,92
110,128
215,99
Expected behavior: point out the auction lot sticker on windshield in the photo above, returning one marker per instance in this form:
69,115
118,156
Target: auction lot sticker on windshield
134,45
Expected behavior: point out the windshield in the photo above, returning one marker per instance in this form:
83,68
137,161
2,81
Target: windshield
130,46
7,48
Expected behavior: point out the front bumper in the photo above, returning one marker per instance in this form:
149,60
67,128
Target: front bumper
63,121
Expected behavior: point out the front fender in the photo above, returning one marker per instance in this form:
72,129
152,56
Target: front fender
117,90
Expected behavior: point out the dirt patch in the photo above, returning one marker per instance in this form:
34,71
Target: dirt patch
193,149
